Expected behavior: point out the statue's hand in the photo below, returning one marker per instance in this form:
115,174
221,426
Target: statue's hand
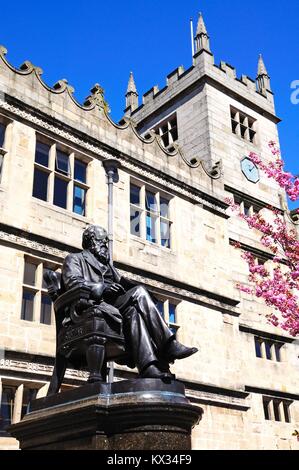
114,289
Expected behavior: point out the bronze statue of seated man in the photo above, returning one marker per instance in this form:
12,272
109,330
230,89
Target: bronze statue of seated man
150,342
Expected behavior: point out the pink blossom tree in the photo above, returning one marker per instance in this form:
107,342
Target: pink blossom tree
279,285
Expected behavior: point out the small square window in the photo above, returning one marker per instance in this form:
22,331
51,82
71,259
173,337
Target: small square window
168,131
243,125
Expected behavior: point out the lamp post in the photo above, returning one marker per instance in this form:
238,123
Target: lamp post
111,166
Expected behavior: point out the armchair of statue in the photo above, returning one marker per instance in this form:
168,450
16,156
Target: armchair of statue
86,334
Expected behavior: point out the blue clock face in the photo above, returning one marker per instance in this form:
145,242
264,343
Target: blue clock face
250,170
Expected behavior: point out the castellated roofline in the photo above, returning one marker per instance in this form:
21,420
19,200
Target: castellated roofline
204,64
94,104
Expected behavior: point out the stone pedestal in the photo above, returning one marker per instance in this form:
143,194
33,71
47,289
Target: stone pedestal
141,414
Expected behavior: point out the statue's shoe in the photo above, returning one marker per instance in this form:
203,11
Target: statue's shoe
152,372
177,350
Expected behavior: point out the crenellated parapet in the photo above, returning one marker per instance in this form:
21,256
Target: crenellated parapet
203,70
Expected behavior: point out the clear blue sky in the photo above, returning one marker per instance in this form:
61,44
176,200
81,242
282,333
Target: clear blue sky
101,41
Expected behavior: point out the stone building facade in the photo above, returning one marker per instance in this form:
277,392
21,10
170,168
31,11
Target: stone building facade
182,153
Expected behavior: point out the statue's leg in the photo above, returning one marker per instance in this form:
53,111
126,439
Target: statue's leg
95,354
138,338
157,328
58,374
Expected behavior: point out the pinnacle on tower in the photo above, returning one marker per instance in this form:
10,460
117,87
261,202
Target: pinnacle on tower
131,95
131,84
262,79
201,27
202,40
261,67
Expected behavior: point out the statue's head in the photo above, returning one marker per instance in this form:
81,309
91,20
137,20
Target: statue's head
95,239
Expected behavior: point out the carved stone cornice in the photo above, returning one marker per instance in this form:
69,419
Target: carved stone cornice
37,368
23,241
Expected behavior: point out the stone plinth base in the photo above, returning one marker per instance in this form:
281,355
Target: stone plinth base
141,414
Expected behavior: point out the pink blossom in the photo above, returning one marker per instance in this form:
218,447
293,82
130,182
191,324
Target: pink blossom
279,288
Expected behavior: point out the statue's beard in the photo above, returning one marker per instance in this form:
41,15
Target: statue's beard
101,253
